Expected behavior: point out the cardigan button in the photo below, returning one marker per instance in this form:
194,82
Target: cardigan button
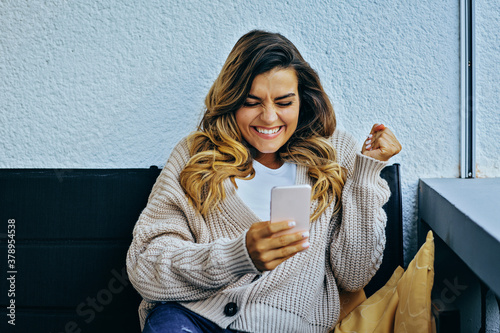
230,309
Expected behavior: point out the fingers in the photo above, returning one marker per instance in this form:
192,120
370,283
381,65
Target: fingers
377,127
267,229
372,137
271,259
267,250
381,144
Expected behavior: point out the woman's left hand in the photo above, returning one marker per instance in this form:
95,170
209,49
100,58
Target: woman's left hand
381,144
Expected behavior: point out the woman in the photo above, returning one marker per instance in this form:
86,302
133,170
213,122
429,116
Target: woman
204,256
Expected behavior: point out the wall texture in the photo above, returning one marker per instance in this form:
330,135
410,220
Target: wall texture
116,84
487,104
488,88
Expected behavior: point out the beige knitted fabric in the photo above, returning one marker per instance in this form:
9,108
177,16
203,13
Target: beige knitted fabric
177,255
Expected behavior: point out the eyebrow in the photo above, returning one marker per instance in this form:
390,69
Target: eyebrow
276,99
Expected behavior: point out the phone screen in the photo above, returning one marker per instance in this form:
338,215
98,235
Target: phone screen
291,203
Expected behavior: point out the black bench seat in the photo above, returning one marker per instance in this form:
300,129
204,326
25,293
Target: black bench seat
72,231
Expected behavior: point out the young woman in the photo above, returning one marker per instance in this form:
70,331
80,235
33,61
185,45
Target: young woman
205,257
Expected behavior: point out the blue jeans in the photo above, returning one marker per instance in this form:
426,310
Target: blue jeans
171,317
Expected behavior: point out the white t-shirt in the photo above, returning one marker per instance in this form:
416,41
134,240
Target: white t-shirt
256,192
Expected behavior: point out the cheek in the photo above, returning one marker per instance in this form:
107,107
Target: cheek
243,120
240,119
292,116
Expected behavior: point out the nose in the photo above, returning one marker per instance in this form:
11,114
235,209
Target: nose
268,114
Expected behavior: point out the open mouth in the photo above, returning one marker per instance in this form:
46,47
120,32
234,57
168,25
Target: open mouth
268,131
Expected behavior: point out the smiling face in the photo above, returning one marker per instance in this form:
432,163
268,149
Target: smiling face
270,114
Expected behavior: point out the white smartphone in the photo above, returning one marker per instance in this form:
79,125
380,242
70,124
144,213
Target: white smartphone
291,203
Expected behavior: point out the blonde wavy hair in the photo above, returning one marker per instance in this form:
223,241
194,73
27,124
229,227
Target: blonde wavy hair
218,150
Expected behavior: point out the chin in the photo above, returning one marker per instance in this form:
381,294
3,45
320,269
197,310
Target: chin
268,151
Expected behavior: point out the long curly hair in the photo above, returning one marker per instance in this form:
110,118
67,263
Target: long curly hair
218,150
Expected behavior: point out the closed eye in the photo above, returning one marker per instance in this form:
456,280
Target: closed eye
250,104
285,104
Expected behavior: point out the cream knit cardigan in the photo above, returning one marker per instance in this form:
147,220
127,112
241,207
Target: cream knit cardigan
203,263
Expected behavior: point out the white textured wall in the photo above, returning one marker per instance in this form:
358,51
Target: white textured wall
488,88
488,110
117,84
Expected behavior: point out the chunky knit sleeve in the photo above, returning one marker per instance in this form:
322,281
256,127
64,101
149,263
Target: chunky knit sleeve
359,236
167,261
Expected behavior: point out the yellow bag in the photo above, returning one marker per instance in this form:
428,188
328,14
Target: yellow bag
402,305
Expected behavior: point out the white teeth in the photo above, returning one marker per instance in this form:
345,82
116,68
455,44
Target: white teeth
265,131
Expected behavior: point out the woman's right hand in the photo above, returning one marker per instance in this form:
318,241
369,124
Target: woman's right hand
267,250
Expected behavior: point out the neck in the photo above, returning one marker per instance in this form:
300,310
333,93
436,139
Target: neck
270,160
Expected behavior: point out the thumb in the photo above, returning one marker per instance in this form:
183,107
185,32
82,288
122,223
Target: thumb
259,225
377,154
377,127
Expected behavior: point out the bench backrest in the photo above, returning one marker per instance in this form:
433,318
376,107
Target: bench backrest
72,232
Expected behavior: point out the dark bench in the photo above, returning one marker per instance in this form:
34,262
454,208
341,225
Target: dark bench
72,232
